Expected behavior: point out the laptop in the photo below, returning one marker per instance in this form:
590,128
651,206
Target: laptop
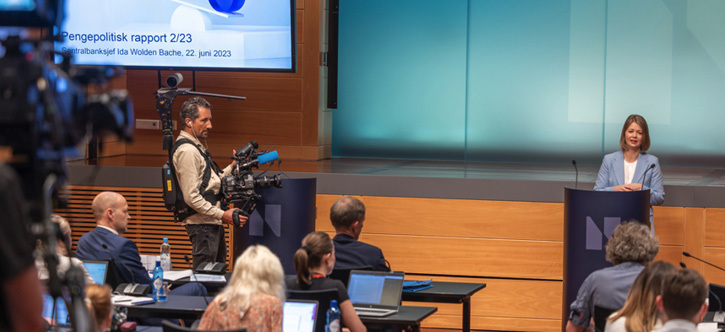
97,269
299,316
55,311
375,293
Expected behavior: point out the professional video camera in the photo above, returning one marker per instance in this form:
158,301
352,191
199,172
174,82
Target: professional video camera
238,188
45,113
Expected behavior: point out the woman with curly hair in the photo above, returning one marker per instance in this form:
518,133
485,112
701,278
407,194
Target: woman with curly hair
631,247
640,312
254,297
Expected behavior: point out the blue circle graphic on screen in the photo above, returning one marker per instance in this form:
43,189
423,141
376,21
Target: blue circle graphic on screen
227,6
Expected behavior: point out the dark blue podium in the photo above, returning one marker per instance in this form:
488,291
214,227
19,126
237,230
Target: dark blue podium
589,221
281,219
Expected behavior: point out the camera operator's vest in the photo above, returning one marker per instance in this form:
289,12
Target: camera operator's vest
173,197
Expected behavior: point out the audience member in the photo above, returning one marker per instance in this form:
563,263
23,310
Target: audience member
347,216
631,246
100,308
313,262
254,298
640,313
62,247
106,243
683,300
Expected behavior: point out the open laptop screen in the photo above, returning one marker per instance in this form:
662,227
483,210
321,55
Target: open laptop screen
97,269
369,287
299,316
57,314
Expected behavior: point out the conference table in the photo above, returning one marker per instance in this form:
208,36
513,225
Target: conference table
192,307
448,292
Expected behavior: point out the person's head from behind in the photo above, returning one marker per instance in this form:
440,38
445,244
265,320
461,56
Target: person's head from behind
110,209
641,305
683,295
347,216
62,235
256,271
635,134
632,242
317,255
98,302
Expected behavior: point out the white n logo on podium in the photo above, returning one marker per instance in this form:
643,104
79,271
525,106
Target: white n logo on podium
594,237
272,216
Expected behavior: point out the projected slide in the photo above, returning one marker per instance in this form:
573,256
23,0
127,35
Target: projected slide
230,34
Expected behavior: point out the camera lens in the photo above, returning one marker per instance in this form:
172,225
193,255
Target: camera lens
174,80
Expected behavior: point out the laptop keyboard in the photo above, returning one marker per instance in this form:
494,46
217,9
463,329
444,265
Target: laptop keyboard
373,311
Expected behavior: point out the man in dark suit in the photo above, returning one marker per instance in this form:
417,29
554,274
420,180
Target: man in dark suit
110,210
347,216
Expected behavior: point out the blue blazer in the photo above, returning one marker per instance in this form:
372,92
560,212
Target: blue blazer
90,246
350,253
611,174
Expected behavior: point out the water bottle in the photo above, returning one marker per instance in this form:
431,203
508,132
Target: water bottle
158,281
166,255
333,318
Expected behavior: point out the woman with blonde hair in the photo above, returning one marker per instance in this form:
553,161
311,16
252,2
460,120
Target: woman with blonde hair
640,313
254,297
314,262
100,309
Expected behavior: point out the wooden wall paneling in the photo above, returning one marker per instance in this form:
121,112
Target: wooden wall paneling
300,26
671,254
716,256
311,64
455,217
694,235
715,228
501,300
471,256
670,224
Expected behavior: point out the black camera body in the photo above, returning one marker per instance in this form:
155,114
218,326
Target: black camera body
240,187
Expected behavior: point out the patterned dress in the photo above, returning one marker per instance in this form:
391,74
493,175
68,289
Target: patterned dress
264,315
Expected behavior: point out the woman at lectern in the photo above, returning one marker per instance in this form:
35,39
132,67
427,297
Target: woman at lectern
632,168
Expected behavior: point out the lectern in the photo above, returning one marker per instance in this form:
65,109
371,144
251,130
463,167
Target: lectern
282,218
589,221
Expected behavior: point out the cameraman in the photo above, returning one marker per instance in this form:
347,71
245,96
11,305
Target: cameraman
191,161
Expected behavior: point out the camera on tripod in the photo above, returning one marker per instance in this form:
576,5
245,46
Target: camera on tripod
239,188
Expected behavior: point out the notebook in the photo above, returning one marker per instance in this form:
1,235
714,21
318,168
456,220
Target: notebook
375,293
299,316
97,269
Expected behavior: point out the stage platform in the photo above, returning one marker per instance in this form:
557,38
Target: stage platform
686,187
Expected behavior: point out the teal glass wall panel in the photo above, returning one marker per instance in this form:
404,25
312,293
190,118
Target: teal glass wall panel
518,84
530,81
666,61
401,79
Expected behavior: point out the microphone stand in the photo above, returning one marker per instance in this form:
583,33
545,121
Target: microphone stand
687,254
188,261
576,178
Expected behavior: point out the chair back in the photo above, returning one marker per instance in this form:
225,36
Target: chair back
600,317
323,297
716,296
168,326
113,276
344,274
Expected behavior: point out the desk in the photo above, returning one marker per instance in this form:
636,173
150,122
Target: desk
408,318
448,292
192,307
176,306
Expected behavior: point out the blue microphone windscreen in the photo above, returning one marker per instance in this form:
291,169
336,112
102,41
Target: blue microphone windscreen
267,157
